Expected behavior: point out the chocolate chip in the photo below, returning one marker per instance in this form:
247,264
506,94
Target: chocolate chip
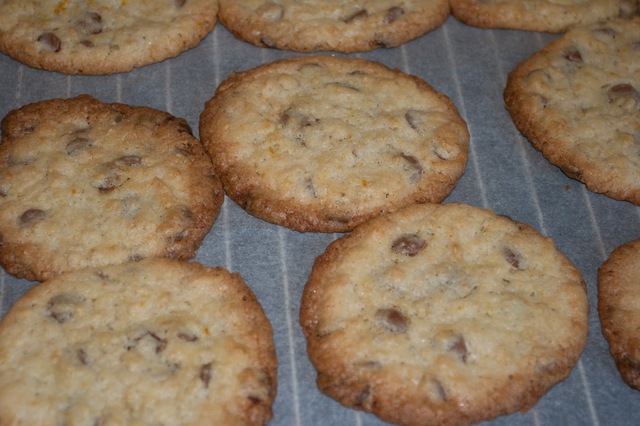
82,356
310,66
413,166
205,374
308,184
32,215
610,32
91,23
180,3
439,389
573,55
87,43
180,236
393,14
61,306
26,130
343,85
628,9
623,90
284,117
187,337
411,120
161,343
459,347
362,397
266,41
512,258
77,145
254,399
392,320
408,245
110,182
361,14
379,42
51,41
271,11
128,161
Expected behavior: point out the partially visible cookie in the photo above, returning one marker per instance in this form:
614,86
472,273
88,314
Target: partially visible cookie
443,314
321,143
158,341
85,183
102,37
336,25
619,309
578,102
539,15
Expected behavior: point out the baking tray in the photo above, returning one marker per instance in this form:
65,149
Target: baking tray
504,173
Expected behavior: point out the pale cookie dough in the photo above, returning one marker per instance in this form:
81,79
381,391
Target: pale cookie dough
553,16
155,342
619,309
85,183
320,143
336,25
443,314
102,36
578,102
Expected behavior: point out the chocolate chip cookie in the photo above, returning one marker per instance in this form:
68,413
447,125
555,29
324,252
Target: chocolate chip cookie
321,143
85,183
618,308
539,15
158,341
578,102
443,314
102,37
336,25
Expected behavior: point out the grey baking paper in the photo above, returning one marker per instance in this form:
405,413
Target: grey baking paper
504,173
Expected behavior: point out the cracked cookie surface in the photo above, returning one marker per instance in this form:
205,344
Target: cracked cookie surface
335,25
618,296
443,314
553,16
322,144
158,341
102,36
578,103
85,183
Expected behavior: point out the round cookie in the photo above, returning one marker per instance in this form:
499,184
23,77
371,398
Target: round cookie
578,102
85,183
618,309
320,143
158,341
102,37
539,15
336,25
443,314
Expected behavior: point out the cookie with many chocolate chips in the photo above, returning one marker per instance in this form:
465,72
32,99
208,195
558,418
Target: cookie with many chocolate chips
158,341
578,102
85,183
619,309
102,37
443,314
322,144
336,25
539,15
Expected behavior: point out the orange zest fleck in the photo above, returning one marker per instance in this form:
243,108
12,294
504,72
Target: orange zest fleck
60,7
